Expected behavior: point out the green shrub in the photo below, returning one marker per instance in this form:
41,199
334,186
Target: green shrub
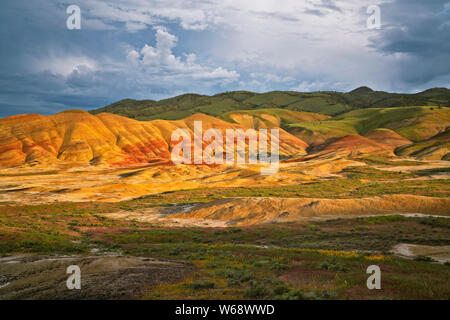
280,289
291,295
424,258
279,266
332,265
261,263
198,285
256,291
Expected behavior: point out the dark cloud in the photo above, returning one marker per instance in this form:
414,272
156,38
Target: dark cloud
420,32
44,68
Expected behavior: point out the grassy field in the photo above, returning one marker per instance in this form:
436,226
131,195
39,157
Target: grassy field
315,260
322,260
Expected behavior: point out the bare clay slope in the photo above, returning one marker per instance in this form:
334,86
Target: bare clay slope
248,211
79,137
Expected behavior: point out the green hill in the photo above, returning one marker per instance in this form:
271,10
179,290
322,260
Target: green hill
327,102
317,117
412,123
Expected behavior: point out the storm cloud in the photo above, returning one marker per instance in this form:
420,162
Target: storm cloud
152,49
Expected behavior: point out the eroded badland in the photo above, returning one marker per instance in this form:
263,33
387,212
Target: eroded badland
369,184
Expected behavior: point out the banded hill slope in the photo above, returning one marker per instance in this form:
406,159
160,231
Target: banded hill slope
79,137
435,148
381,131
116,139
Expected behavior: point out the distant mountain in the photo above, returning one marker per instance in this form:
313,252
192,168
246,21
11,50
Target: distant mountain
361,91
326,102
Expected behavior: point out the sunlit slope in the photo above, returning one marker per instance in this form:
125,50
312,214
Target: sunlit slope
435,148
389,137
412,123
248,211
270,118
79,137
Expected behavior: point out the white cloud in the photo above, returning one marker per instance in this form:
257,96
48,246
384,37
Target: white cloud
147,72
161,60
217,45
316,41
321,38
270,77
325,39
135,26
135,14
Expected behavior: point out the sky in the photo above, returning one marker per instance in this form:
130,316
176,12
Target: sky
156,49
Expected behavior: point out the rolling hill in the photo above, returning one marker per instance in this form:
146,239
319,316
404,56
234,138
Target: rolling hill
270,118
352,146
79,137
412,123
359,122
327,102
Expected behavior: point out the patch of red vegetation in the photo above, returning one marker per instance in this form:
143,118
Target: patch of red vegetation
302,277
99,233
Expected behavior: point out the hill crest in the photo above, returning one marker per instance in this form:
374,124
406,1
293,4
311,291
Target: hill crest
324,102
